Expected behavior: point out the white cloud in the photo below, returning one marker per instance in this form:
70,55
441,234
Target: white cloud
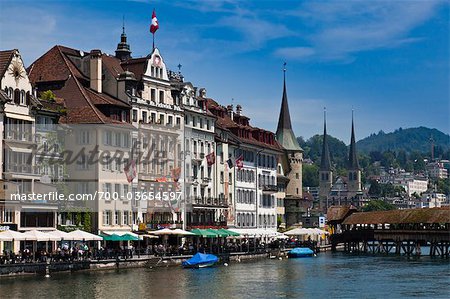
339,29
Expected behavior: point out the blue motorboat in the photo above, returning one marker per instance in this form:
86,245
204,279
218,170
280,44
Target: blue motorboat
201,260
300,252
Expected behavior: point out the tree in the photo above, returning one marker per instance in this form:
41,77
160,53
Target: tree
378,205
375,188
310,175
48,96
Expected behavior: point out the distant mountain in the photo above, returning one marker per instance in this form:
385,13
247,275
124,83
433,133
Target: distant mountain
409,140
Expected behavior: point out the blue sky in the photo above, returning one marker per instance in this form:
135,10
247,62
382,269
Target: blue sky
388,60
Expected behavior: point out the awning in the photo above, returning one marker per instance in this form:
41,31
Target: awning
20,149
19,116
114,237
119,233
80,235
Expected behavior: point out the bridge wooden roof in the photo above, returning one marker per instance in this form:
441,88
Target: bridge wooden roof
338,213
429,216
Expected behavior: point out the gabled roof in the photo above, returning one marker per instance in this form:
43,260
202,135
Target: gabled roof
136,66
81,101
285,135
419,216
339,213
5,60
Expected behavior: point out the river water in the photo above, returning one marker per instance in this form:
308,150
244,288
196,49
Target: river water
329,275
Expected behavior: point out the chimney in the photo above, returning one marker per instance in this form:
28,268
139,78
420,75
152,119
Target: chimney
238,109
96,70
230,111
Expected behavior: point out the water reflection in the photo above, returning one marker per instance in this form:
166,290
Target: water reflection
328,275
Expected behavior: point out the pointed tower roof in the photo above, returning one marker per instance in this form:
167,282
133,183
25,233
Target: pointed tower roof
123,51
285,135
353,163
325,164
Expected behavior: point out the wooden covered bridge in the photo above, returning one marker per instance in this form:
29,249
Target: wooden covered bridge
397,231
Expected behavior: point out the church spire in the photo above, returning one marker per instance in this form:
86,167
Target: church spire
123,51
353,163
325,164
285,135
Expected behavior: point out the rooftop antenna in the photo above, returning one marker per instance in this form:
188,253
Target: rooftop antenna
179,67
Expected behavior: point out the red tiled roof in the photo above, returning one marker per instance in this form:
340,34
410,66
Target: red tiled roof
104,99
227,123
5,60
112,64
136,66
430,216
56,65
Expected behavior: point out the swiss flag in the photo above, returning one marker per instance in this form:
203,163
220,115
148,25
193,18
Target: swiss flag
240,162
154,26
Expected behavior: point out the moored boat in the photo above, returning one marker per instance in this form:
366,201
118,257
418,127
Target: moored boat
201,260
300,252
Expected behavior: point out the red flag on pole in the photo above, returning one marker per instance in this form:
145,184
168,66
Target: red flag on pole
130,171
240,162
154,26
210,159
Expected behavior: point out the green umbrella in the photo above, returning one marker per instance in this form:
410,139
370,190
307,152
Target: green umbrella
229,232
112,237
218,232
204,233
128,237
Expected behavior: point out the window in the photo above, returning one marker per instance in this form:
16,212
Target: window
107,189
126,140
117,217
107,138
161,119
297,176
170,120
208,126
178,121
144,116
125,191
83,137
117,139
201,123
153,95
116,190
8,216
135,113
82,162
161,96
22,98
107,217
126,216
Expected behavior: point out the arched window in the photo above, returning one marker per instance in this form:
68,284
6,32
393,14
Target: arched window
22,97
17,96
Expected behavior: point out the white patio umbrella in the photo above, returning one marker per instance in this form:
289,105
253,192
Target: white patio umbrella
164,231
298,232
35,235
11,235
80,235
181,232
62,235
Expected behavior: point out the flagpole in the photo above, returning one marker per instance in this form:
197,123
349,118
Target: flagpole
153,41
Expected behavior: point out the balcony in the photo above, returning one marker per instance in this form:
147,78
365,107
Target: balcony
205,181
17,135
155,224
269,189
22,169
196,157
209,202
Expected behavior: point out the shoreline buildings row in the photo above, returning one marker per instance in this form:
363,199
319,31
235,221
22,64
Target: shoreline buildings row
133,128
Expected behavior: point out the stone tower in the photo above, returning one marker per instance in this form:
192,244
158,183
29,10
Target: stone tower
293,153
123,51
325,171
353,169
